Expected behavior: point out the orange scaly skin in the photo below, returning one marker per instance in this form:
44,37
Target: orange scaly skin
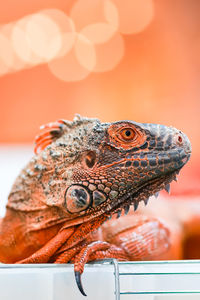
85,172
181,215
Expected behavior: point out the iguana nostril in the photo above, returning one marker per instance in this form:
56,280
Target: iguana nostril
180,139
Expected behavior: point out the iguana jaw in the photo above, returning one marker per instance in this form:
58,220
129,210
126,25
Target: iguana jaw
142,193
138,191
132,197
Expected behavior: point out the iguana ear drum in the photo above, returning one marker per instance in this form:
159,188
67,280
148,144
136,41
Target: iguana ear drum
90,159
77,199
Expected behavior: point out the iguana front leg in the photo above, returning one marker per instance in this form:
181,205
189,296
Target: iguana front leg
44,254
140,238
66,237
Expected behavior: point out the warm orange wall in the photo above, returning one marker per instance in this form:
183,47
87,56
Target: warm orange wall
156,81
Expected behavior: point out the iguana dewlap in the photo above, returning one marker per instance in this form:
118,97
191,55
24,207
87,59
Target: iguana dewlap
85,172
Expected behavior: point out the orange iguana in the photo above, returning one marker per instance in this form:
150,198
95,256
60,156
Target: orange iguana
85,172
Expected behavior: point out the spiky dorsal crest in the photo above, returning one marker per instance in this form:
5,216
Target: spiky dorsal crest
50,132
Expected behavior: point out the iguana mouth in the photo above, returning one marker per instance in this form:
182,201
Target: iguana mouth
132,197
143,192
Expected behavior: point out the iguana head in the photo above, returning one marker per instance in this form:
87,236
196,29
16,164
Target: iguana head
101,168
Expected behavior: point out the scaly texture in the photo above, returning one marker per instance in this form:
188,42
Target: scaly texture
86,171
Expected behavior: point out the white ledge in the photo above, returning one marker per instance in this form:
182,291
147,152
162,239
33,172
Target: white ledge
102,280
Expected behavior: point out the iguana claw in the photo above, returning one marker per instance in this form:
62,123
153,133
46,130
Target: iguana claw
79,283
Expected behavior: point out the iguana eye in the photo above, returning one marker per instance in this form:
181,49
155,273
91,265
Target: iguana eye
128,134
125,135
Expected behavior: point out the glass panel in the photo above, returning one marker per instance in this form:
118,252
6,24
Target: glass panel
177,280
53,282
167,277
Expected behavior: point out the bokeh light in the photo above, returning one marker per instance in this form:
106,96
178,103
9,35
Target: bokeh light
66,29
134,15
81,43
17,63
111,13
6,55
78,63
98,33
109,54
35,39
85,52
20,43
85,12
43,36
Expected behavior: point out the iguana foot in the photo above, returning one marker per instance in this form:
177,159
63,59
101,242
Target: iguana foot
94,251
141,238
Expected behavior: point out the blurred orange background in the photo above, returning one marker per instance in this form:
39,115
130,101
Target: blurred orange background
128,59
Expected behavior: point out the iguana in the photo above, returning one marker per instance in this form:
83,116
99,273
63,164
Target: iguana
83,172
